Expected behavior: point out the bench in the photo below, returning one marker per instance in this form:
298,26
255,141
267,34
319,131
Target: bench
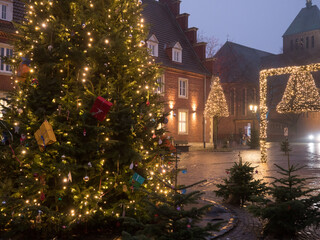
182,146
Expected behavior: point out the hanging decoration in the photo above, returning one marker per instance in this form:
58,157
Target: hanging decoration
301,94
136,181
45,135
100,108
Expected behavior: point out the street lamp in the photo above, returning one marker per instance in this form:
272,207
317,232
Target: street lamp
253,108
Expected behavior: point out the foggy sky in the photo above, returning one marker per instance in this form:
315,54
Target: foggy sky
258,24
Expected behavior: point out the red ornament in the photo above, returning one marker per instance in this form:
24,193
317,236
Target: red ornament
22,138
189,226
148,103
100,108
42,196
84,132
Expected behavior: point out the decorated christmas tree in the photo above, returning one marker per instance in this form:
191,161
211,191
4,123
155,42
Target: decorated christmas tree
83,133
301,94
216,106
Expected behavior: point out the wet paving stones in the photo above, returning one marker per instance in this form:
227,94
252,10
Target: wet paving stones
239,224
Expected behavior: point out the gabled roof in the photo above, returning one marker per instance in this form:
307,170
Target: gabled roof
307,20
153,38
238,63
165,27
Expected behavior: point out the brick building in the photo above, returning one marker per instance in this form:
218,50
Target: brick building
185,80
239,66
11,11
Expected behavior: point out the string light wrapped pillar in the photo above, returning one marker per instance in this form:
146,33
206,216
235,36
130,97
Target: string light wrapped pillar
295,71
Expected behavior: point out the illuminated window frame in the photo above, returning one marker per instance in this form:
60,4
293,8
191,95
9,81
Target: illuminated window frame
183,122
161,85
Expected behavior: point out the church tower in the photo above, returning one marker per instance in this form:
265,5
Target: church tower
303,35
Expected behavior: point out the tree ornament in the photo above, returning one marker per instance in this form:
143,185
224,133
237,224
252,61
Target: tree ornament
154,136
124,188
301,94
131,165
100,108
50,47
84,132
4,202
148,103
42,196
16,129
89,164
20,111
69,177
34,82
86,178
59,109
83,25
160,141
45,135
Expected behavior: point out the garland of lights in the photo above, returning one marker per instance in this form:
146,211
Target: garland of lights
264,74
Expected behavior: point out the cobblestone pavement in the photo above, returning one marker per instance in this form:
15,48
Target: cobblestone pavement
212,167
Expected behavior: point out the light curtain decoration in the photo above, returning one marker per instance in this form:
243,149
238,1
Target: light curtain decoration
301,94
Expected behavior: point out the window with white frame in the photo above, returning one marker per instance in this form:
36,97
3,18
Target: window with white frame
6,8
3,103
152,45
160,82
5,51
177,53
183,122
183,88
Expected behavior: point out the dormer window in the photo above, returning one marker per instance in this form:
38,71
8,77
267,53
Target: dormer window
152,44
6,8
177,53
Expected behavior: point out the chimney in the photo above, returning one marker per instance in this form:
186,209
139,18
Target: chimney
182,19
191,34
209,64
200,49
174,6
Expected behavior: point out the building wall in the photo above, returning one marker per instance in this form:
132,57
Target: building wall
297,43
241,119
193,104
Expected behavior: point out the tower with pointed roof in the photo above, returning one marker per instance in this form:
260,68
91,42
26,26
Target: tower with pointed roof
303,35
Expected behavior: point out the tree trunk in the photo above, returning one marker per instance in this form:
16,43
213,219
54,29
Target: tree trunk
215,132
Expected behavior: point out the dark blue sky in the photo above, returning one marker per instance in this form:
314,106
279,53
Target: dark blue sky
258,24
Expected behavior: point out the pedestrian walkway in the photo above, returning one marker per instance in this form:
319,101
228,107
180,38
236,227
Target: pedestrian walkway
239,224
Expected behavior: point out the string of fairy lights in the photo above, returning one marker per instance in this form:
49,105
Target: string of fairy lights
87,201
299,83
